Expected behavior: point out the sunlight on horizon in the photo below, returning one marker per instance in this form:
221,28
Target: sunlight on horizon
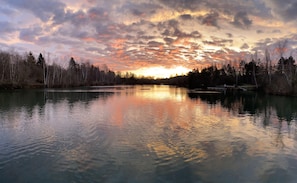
161,72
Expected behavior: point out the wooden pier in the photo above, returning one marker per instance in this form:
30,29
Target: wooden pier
224,89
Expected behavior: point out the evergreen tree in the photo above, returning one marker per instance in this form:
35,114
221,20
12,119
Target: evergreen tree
72,64
40,61
31,58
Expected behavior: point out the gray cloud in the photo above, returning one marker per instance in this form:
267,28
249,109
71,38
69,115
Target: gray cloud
95,50
123,31
196,34
178,33
210,19
168,41
7,11
154,44
229,35
186,17
168,28
180,5
219,42
30,34
6,27
96,15
76,18
285,9
276,31
137,12
57,40
263,44
245,46
272,44
171,28
44,10
139,9
241,20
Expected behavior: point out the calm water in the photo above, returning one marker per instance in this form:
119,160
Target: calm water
146,134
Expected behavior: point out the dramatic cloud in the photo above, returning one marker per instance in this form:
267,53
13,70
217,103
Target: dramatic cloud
219,42
44,10
180,5
210,19
241,20
139,9
285,9
129,35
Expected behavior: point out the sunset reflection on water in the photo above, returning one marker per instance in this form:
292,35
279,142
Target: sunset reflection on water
147,134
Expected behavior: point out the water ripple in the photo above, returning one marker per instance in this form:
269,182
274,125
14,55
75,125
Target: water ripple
143,137
31,148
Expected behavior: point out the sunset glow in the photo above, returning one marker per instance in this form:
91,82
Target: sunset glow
161,72
157,38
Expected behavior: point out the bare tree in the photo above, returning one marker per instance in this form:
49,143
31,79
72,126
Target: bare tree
13,65
255,59
268,65
4,59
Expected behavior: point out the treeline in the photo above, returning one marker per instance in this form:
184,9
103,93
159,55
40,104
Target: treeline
246,73
18,71
278,79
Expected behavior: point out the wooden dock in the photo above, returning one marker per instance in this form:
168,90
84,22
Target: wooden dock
223,89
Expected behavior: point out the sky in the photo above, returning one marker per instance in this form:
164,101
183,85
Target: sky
158,38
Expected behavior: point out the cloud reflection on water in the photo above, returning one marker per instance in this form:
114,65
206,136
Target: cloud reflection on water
156,132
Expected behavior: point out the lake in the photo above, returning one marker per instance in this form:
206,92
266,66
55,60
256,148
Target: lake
146,134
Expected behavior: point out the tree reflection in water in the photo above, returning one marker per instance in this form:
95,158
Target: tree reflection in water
254,103
146,134
266,107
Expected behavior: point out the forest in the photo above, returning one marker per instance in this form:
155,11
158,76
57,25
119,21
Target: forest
278,79
26,71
